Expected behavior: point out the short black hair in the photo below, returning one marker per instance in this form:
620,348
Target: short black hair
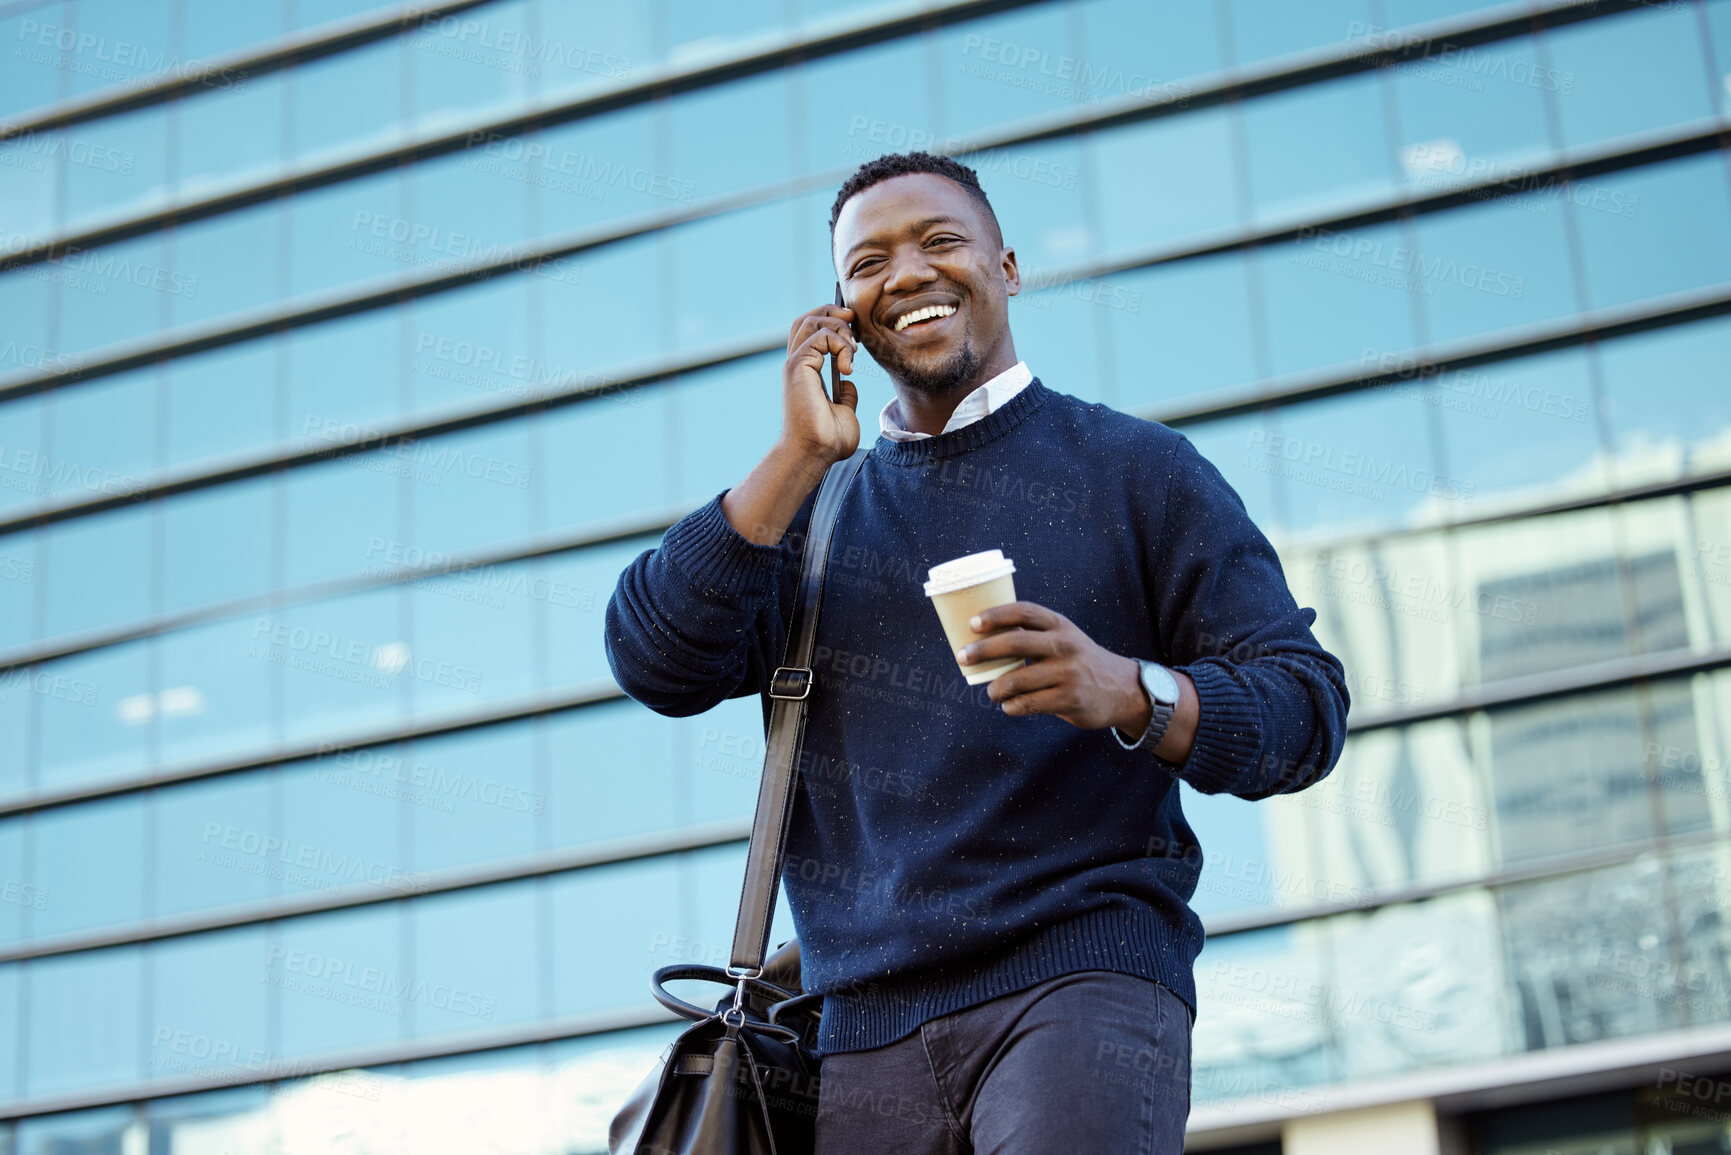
895,164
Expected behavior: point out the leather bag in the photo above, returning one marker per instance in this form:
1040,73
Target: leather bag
742,1080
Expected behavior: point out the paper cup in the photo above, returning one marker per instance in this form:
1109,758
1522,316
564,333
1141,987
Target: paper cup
960,589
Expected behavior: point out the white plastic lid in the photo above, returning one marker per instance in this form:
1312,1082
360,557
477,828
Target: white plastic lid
963,572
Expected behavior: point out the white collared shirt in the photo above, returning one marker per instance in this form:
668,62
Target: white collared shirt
975,405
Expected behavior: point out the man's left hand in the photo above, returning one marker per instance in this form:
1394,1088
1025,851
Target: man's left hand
1067,673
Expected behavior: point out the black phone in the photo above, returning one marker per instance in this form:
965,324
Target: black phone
834,361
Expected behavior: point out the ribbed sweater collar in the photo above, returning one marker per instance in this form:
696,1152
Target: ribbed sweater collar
968,438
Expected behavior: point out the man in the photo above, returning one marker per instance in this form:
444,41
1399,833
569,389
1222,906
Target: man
990,884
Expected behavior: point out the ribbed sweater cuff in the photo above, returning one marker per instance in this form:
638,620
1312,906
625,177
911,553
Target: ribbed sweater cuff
720,561
1228,734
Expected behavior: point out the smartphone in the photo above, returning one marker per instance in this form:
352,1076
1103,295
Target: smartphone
835,360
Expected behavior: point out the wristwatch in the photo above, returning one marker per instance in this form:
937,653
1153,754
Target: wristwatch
1162,690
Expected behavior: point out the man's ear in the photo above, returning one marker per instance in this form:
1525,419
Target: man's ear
1012,275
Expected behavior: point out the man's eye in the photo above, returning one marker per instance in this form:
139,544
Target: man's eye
945,241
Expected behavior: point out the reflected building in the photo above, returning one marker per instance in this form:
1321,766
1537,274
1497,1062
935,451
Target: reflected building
348,352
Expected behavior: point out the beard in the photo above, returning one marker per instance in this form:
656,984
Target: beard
936,381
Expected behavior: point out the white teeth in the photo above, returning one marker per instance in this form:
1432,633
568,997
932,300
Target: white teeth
923,314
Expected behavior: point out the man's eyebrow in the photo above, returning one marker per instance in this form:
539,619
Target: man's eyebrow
918,227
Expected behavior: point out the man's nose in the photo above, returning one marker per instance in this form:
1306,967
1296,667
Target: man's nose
908,273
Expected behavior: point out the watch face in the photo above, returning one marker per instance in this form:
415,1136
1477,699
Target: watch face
1160,682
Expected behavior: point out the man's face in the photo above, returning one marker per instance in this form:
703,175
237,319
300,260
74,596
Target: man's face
920,245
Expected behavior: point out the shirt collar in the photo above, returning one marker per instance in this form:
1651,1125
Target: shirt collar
985,399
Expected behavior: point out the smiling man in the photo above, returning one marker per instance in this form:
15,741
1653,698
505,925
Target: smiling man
991,884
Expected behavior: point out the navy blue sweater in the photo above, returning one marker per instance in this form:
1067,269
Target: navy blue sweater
942,852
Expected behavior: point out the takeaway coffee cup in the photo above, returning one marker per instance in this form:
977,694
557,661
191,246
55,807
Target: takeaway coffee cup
960,589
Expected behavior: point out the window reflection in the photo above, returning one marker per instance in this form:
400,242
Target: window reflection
640,903
845,128
1467,115
348,101
1264,28
1654,230
1669,412
475,965
95,711
1005,68
208,844
103,1131
756,249
84,1011
1145,157
1317,146
89,859
1605,82
613,772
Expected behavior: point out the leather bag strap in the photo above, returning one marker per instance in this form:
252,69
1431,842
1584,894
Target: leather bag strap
790,689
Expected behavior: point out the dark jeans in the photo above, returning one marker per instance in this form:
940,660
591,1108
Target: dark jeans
1093,1061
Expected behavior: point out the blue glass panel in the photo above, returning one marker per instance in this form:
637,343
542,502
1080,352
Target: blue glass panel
117,291
472,487
1058,333
351,100
25,464
103,1129
712,878
220,402
1401,13
340,980
11,1026
344,817
472,346
1231,833
465,211
1719,24
756,249
1143,202
1331,295
17,587
15,728
1465,115
84,1015
215,696
90,858
342,660
1234,447
204,844
489,807
217,543
207,991
612,773
343,373
473,639
1666,398
227,264
183,1124
104,436
614,312
460,68
844,128
24,302
593,42
590,170
312,13
727,419
1036,190
1318,147
1513,425
342,516
216,28
18,895
708,147
29,171
134,43
588,447
474,961
30,42
1491,267
95,716
1007,67
77,557
351,231
1629,72
719,759
1139,48
698,29
573,632
612,926
231,136
116,166
1355,463
1264,28
1654,230
1185,329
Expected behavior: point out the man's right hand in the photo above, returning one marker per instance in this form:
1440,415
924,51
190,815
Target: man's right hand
812,423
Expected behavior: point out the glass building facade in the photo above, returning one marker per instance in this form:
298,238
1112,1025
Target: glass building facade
348,353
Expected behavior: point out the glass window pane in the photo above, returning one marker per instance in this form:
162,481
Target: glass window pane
102,1129
339,980
613,773
215,697
1331,295
572,633
29,170
11,975
1465,115
26,467
1491,267
484,782
84,1016
77,557
588,171
17,893
1317,148
1185,329
90,859
1256,1036
841,129
16,710
616,310
94,719
17,588
465,211
213,280
116,166
1263,28
1140,47
1229,445
1005,68
207,996
236,1118
1653,230
342,660
1058,333
117,292
475,959
214,27
340,516
104,436
351,231
345,818
24,300
204,842
348,101
757,248
342,375
34,76
473,487
727,418
1669,410
1628,72
473,639
217,543
1036,191
220,402
1719,21
706,140
593,42
587,447
699,29
639,905
1141,204
134,43
472,345
463,67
